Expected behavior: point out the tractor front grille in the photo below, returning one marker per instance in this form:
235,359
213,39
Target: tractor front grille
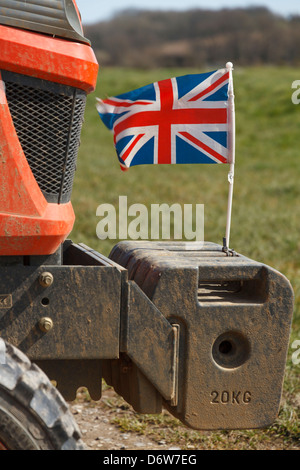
48,119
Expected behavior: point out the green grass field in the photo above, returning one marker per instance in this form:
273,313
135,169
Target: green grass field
266,209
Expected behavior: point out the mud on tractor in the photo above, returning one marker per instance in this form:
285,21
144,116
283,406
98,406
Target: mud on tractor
195,330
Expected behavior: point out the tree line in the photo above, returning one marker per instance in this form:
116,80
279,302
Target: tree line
196,37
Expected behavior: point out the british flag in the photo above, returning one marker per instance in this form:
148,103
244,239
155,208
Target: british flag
181,120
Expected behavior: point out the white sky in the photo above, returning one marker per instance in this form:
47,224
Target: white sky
95,10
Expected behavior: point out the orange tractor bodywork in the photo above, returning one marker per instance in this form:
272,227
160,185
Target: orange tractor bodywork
29,225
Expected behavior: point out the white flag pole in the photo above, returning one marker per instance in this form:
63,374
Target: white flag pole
231,148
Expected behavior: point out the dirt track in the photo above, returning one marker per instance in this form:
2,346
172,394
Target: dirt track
98,433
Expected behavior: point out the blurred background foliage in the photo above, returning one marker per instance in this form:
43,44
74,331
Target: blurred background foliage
196,38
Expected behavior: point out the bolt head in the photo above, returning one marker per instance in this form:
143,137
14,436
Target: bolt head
46,324
46,279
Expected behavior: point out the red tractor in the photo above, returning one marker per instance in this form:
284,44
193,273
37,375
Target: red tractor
200,332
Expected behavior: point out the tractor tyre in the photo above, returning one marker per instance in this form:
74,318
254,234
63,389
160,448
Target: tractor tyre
33,414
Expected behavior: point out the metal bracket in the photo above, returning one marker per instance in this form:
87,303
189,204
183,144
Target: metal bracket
228,251
152,343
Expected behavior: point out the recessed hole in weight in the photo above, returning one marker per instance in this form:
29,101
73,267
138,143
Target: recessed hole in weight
45,301
231,349
225,347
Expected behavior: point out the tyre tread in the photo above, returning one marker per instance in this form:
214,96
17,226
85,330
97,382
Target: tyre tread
28,385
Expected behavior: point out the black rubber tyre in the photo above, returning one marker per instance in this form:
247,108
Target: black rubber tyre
33,414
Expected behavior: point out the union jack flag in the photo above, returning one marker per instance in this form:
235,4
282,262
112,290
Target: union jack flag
181,120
